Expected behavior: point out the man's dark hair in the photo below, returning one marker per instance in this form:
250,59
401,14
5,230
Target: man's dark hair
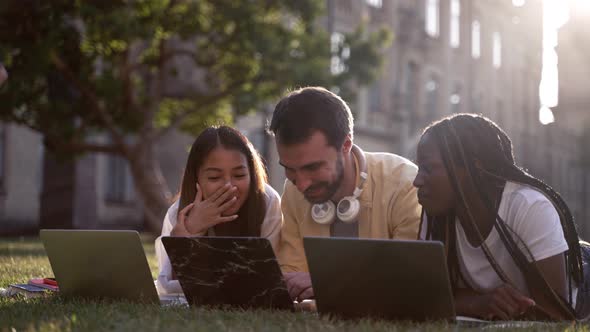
303,111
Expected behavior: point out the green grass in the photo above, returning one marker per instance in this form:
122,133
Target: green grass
21,259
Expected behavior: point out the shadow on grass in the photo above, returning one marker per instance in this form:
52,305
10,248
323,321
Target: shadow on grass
57,313
60,314
32,246
20,247
23,252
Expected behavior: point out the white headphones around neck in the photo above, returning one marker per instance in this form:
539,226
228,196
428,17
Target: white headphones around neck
348,207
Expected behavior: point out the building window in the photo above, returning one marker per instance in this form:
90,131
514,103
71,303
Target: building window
518,3
344,6
455,28
432,89
564,170
476,103
256,137
375,3
340,53
409,88
499,112
455,34
40,174
497,50
475,40
455,99
432,17
375,97
117,179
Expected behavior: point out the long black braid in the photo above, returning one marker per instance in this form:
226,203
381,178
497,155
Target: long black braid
478,145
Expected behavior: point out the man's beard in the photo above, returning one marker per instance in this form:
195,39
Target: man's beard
331,187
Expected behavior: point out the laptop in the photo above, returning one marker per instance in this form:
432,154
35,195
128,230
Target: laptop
228,271
100,264
386,279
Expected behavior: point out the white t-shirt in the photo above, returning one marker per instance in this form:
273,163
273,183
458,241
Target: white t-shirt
270,229
529,214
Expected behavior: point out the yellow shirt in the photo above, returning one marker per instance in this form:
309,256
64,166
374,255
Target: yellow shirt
389,209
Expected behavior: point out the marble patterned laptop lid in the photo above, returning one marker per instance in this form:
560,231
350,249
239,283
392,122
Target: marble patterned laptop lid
228,271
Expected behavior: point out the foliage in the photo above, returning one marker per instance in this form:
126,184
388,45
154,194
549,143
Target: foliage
135,70
144,66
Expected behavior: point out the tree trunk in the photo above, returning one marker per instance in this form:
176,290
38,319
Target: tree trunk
151,186
57,193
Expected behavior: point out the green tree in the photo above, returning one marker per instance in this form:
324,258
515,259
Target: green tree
138,69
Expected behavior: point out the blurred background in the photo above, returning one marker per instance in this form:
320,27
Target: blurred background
104,98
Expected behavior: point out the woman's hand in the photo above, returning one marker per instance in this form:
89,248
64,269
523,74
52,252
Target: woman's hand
504,302
202,214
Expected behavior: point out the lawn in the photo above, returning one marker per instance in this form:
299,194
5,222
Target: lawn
21,259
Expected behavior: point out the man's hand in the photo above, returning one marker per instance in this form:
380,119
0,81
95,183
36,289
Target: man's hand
299,285
504,302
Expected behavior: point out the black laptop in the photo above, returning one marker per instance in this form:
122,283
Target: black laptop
388,279
228,271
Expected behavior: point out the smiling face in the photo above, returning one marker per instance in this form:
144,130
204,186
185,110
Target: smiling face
435,192
314,167
223,166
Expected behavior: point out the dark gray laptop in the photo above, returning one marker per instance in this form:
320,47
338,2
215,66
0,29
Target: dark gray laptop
100,264
387,279
228,271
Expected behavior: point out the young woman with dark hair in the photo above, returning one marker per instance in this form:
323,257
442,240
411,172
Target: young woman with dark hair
224,192
511,243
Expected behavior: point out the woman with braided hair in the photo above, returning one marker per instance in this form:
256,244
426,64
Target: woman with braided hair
511,244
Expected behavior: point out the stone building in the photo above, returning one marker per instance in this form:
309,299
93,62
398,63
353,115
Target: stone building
20,179
95,191
569,136
483,56
448,56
